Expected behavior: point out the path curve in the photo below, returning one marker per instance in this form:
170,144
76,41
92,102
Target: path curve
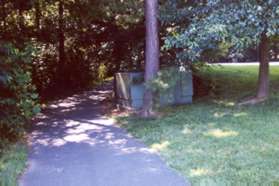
74,144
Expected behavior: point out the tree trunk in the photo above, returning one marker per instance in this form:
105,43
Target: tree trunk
21,20
119,52
61,36
3,16
152,51
38,18
263,81
21,40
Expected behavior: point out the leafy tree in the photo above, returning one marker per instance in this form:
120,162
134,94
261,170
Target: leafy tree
240,24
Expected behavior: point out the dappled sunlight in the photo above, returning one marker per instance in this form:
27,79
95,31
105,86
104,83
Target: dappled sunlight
220,114
240,114
103,121
157,147
86,131
101,95
131,150
54,142
219,133
43,142
92,132
225,103
79,102
71,123
41,116
58,142
118,142
82,128
199,172
186,130
70,109
229,113
67,105
42,123
98,97
109,136
77,138
70,131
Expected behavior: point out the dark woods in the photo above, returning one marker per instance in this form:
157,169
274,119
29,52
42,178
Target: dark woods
51,48
72,39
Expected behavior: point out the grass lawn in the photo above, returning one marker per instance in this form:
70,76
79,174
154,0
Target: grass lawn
12,163
214,141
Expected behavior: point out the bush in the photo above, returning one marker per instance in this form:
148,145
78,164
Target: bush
12,162
18,98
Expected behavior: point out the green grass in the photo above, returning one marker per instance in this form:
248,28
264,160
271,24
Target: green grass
214,141
12,162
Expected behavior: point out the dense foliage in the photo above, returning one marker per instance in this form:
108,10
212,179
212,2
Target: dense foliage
18,100
74,38
72,46
229,27
225,27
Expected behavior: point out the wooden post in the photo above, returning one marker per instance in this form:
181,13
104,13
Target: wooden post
151,52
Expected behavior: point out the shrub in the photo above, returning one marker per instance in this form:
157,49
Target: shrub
18,98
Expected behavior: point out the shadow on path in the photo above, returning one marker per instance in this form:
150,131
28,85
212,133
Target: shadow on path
73,144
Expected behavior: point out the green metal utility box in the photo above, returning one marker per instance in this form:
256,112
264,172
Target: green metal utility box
129,90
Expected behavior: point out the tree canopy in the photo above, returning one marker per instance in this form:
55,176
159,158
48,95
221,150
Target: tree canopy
236,24
230,25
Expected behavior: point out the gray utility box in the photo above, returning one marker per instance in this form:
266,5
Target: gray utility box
129,90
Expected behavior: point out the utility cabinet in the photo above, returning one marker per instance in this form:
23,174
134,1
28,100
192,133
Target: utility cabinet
129,90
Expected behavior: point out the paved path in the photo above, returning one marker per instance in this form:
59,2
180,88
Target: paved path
73,144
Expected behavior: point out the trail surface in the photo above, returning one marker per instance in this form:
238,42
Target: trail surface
74,144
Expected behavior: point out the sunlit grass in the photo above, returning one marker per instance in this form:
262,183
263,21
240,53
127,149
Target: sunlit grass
214,141
12,162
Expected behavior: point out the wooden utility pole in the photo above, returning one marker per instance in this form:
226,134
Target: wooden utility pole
152,52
